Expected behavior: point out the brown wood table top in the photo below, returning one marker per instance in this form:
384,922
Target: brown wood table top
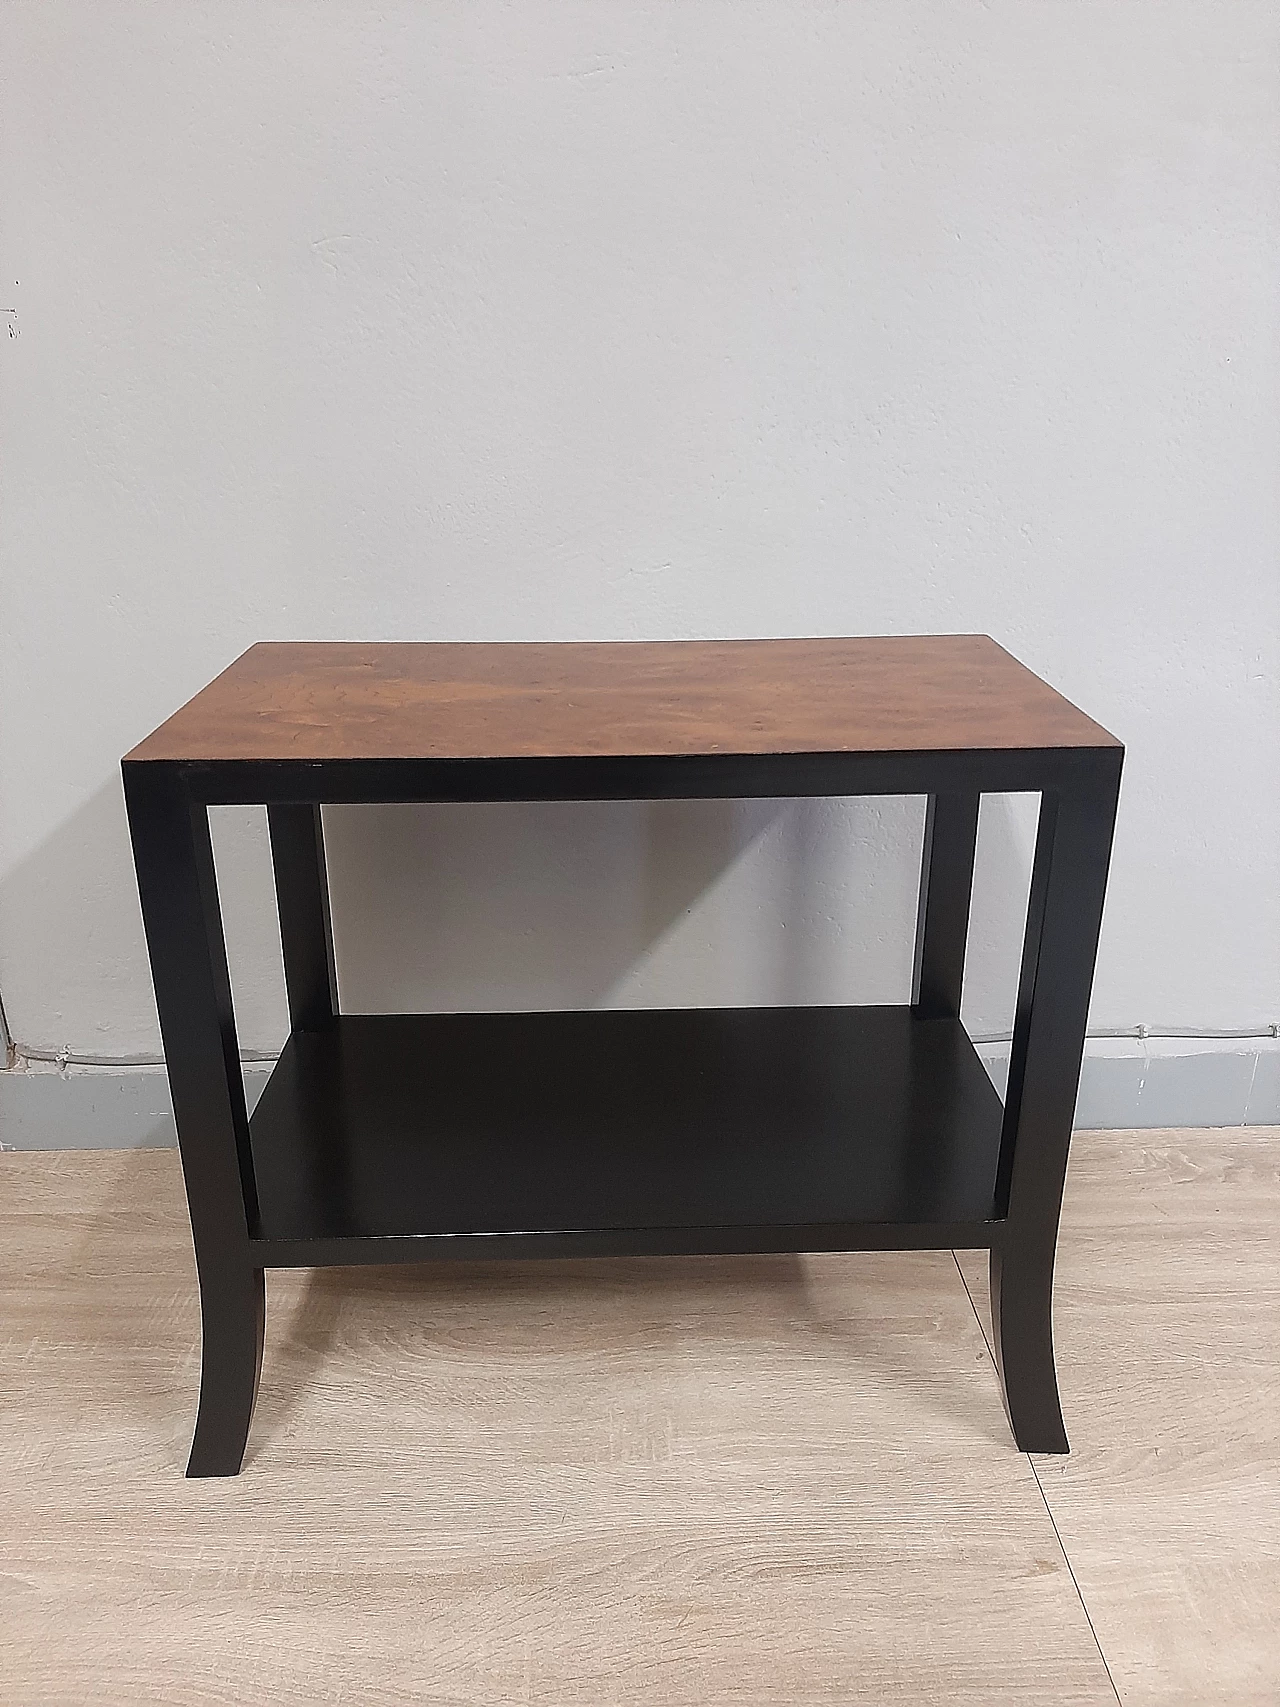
443,700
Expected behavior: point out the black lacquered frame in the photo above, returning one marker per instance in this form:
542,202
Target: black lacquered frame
297,1185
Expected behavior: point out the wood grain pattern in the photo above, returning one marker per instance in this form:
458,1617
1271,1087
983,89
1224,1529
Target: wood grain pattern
314,701
1168,1334
765,1482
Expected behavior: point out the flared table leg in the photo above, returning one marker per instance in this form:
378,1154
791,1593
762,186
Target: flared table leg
174,860
1068,884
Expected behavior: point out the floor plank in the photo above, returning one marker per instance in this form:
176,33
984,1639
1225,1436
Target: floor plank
755,1481
1168,1335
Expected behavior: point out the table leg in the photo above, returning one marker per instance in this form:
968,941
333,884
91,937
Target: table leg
946,886
174,860
1068,885
306,933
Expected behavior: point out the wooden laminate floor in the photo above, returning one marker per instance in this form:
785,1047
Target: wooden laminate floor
749,1481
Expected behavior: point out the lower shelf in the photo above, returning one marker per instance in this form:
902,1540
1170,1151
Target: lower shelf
403,1137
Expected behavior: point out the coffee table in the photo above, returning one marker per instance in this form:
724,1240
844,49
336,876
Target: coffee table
407,1138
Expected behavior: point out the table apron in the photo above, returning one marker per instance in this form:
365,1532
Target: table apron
671,777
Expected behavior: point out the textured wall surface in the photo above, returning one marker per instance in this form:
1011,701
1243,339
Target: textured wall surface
610,320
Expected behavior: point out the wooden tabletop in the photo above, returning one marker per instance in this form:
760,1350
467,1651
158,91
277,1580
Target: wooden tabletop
411,700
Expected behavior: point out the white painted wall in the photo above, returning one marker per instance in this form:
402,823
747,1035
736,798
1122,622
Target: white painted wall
619,318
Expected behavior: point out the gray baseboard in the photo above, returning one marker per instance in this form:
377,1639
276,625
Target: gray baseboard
1125,1085
95,1108
1128,1085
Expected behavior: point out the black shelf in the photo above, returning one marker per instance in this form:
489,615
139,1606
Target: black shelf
385,1138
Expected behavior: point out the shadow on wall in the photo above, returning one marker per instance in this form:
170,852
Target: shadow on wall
657,903
620,903
523,906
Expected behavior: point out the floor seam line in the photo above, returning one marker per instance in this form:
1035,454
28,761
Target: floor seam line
1053,1522
977,1318
1071,1572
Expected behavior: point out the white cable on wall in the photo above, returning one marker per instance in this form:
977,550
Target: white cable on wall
21,1052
